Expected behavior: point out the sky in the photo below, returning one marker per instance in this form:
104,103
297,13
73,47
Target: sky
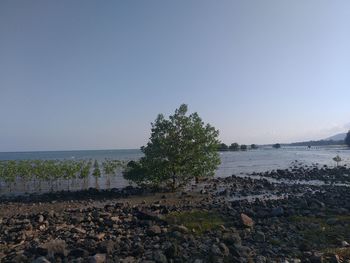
94,74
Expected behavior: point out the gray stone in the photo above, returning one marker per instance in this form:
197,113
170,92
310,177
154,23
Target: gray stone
259,236
41,260
277,211
260,259
154,230
159,257
40,218
98,258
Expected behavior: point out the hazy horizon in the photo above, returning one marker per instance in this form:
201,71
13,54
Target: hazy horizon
84,75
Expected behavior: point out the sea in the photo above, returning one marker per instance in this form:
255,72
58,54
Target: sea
263,159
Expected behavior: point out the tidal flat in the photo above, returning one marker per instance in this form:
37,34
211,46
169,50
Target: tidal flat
275,216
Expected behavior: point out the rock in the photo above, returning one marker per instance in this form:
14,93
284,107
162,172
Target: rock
243,251
345,244
259,236
215,250
106,246
159,257
131,259
41,218
260,259
232,238
154,230
181,229
332,221
41,260
78,252
100,236
277,211
98,258
170,249
225,250
247,221
317,258
78,230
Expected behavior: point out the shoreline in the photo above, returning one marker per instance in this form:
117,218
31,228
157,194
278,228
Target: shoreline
219,220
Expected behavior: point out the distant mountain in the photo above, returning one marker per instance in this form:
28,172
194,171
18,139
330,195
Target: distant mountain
337,137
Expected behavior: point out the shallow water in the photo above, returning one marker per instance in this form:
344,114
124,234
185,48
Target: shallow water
238,163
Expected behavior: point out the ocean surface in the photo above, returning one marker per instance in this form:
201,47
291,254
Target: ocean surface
242,162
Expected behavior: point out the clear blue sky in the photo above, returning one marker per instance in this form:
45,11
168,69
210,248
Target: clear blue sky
94,74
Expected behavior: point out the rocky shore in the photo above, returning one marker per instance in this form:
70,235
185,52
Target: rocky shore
260,218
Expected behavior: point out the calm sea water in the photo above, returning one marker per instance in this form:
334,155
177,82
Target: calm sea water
260,160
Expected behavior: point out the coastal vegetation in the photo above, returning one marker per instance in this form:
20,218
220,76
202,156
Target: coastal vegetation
32,175
236,147
180,149
337,159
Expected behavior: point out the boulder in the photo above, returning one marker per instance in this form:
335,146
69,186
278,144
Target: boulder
246,220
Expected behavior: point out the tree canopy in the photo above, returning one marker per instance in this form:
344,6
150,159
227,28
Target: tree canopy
180,148
276,146
234,146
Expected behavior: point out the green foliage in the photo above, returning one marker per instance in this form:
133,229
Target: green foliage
254,146
34,172
234,147
199,221
222,147
180,148
347,139
244,147
97,172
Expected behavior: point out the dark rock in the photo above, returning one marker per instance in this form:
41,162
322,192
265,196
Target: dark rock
154,230
277,211
98,258
159,257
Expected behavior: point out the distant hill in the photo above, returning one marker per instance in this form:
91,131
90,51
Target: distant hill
337,137
318,143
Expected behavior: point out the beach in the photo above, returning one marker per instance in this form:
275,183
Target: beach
299,214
